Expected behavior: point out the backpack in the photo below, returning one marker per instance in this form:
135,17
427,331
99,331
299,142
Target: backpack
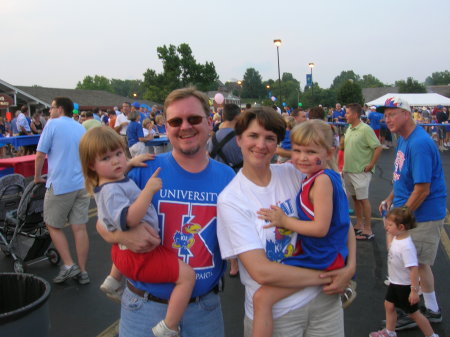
217,150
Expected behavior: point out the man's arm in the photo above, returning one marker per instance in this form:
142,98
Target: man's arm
375,156
418,195
38,165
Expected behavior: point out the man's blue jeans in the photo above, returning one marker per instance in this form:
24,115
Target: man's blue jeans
138,316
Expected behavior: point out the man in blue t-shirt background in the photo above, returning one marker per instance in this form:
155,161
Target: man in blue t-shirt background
419,185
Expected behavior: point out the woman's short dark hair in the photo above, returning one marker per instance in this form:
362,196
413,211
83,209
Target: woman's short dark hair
266,117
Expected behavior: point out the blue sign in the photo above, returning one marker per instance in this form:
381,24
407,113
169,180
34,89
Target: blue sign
309,80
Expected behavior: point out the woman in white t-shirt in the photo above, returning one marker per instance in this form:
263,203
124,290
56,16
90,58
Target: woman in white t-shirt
312,311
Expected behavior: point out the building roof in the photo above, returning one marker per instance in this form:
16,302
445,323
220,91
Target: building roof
370,94
84,98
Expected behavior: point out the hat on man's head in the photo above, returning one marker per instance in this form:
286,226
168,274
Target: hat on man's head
394,102
136,105
440,107
373,107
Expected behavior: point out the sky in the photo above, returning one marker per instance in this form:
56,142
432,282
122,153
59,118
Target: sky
56,43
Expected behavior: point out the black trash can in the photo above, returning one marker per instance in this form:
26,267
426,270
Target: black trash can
24,305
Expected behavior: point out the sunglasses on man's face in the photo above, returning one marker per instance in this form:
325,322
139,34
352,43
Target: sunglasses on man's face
177,121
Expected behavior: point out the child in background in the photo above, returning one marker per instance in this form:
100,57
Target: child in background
323,224
286,142
403,290
121,205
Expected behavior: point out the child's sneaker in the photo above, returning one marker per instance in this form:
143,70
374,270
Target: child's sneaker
382,333
83,278
161,330
112,288
349,295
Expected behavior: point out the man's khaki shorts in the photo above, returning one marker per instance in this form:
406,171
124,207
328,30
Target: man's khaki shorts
71,208
426,237
357,184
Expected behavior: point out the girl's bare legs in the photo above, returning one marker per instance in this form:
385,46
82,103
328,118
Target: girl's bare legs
391,315
422,322
263,301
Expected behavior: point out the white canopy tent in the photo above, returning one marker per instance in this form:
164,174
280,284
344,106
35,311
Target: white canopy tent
431,99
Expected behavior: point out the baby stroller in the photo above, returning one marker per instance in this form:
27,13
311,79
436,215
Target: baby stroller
11,190
24,235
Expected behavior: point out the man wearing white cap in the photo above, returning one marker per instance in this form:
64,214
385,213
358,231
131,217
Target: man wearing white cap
418,184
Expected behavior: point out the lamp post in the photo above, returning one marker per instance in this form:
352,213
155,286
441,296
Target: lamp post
277,43
240,89
311,66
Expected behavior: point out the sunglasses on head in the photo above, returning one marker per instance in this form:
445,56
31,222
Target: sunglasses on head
177,121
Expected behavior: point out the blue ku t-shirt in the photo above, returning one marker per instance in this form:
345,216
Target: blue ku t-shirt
187,214
418,161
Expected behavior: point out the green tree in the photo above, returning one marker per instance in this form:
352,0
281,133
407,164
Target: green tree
180,69
343,78
349,92
438,78
325,97
370,81
410,86
252,86
95,83
127,87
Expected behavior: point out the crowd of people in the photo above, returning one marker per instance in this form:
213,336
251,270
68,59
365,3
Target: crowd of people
274,202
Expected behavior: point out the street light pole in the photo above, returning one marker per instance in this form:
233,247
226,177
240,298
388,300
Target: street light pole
311,65
277,43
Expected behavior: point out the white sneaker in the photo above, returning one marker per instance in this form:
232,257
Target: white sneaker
112,288
161,330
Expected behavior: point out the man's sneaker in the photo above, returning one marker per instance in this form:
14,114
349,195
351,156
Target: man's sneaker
161,330
83,278
65,274
382,333
403,321
432,316
112,288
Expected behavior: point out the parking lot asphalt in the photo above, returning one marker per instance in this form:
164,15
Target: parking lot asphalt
84,311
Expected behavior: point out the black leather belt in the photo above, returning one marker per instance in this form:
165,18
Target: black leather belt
150,297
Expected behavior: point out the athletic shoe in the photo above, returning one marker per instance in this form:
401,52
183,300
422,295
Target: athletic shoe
112,288
161,330
403,321
432,316
385,147
65,274
83,278
382,333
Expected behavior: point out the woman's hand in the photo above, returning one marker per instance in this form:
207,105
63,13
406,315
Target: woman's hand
340,279
274,214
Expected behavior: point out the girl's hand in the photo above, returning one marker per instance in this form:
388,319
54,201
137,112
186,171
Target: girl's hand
274,214
154,184
413,297
139,161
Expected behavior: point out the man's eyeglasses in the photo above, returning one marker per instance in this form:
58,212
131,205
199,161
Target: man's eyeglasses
177,121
